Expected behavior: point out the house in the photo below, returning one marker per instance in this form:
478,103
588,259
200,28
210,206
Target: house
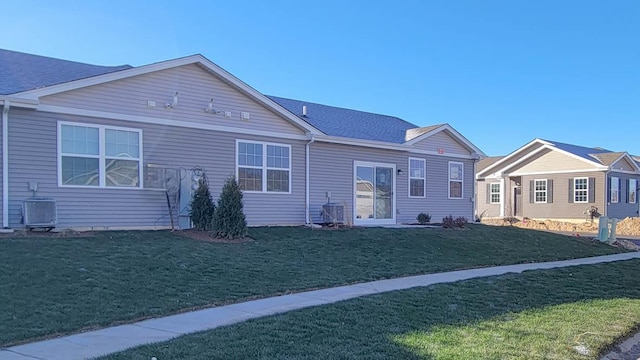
117,147
552,180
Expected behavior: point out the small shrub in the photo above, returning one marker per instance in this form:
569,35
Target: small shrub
228,220
202,207
460,221
449,222
424,218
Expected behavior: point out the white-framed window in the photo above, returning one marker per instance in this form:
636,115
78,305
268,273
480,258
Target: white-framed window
456,178
99,156
417,177
494,194
633,190
615,190
540,191
581,190
263,167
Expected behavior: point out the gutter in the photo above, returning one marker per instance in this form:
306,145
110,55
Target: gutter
307,220
5,164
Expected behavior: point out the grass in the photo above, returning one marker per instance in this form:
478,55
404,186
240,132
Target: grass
51,286
534,315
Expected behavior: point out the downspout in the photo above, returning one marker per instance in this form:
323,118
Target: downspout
5,164
307,212
474,211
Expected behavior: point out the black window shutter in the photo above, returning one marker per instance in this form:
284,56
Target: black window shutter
531,191
592,190
570,190
550,191
626,192
488,193
609,189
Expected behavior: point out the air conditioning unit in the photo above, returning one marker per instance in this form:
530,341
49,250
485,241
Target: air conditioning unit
39,212
332,213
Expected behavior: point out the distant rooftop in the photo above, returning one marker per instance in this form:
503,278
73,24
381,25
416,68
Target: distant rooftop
21,72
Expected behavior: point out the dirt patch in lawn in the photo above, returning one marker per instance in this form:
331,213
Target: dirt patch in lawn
64,233
206,236
627,226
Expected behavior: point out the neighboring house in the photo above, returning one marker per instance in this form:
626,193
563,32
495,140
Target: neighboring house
550,180
108,142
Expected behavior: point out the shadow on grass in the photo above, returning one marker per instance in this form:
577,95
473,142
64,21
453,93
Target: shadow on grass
508,311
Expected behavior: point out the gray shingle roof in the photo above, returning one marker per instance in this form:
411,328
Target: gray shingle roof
581,151
349,123
21,72
487,161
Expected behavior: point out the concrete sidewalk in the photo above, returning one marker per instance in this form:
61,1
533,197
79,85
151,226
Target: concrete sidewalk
109,340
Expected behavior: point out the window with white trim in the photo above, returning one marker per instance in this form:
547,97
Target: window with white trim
581,190
263,167
100,156
615,190
494,194
417,177
633,190
540,191
456,176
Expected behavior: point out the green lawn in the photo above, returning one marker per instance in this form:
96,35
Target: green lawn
51,286
535,315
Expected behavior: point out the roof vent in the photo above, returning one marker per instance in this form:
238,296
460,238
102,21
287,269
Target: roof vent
304,110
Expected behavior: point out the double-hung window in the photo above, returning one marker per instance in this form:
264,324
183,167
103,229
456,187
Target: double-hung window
100,156
615,190
494,193
633,190
456,176
540,191
580,190
417,178
263,167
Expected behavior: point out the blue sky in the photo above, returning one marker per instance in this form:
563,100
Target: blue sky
500,72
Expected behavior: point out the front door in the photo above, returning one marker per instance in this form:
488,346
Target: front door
517,201
374,186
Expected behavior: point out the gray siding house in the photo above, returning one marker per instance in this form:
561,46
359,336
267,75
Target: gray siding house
118,147
551,180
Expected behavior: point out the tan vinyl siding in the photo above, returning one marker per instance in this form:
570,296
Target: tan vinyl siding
561,207
332,167
33,151
550,161
484,206
195,85
442,141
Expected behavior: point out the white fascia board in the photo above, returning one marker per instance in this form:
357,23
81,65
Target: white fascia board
511,155
454,132
384,145
360,142
145,69
160,121
18,102
557,172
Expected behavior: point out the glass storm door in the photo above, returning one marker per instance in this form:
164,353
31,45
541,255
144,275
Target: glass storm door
374,193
